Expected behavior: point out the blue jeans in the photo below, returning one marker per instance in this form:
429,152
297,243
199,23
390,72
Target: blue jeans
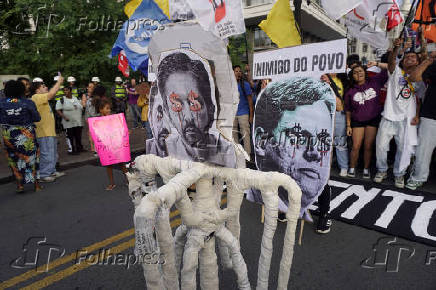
424,151
148,133
48,156
136,113
386,131
340,140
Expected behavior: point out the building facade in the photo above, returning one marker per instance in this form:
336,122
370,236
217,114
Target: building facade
316,26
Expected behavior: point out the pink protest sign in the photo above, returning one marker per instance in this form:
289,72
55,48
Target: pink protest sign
111,138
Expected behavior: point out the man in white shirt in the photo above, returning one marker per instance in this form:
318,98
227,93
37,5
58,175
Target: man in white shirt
400,116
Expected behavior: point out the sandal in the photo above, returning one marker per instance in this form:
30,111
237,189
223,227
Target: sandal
38,188
19,189
111,187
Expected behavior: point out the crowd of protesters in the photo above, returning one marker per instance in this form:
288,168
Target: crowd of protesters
390,99
31,115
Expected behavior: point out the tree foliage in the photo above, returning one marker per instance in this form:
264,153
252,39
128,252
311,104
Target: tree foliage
74,37
237,49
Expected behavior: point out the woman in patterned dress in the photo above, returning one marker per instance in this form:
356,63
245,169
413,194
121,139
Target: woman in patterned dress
17,117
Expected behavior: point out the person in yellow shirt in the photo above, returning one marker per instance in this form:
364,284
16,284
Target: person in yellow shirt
45,129
143,102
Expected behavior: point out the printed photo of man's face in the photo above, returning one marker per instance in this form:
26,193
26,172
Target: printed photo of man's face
188,96
187,109
157,120
293,133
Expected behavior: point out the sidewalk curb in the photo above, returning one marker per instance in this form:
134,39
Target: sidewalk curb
74,164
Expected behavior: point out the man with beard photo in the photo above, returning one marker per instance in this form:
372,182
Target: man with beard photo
187,89
157,145
293,131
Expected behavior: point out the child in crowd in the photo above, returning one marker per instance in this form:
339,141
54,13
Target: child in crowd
104,108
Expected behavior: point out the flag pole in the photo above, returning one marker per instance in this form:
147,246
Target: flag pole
408,18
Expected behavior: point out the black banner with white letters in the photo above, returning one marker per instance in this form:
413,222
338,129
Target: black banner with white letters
403,213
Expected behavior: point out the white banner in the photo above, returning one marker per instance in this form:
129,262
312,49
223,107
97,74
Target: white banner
338,8
361,30
223,17
309,60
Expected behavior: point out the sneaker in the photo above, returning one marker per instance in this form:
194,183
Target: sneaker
413,185
47,179
366,174
380,176
351,173
343,172
324,224
58,174
282,217
399,181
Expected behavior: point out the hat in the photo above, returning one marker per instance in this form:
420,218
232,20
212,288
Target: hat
37,80
71,79
95,79
118,79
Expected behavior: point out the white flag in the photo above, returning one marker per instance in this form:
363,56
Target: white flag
223,17
360,29
338,8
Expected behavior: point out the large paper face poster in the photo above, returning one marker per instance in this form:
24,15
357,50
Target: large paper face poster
293,134
111,138
193,106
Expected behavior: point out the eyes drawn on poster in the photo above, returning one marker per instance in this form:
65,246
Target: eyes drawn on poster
187,92
292,134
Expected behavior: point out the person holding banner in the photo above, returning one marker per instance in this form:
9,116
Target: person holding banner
104,108
363,109
400,116
340,139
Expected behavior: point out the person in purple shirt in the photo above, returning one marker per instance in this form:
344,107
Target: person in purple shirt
132,99
363,109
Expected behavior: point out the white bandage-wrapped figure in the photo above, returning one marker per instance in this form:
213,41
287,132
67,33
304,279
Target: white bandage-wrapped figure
204,222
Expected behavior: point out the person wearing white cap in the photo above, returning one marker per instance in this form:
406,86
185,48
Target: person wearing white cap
45,130
119,96
72,84
37,80
95,80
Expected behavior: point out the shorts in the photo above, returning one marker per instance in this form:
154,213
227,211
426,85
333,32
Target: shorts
371,123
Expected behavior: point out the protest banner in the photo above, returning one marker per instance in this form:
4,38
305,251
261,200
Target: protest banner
111,138
310,60
293,134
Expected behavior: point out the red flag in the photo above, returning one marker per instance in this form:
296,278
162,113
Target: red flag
394,17
123,63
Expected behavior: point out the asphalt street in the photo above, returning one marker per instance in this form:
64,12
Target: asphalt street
76,214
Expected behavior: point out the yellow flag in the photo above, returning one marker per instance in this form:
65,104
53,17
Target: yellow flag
130,7
280,25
